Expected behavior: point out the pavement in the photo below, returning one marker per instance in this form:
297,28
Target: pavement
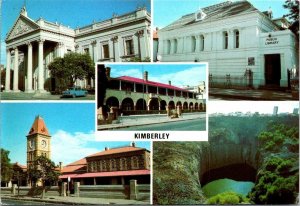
33,96
75,200
138,120
249,94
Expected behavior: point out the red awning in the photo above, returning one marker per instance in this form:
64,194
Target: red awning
107,174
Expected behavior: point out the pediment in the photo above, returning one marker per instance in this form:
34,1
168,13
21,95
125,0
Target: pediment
22,26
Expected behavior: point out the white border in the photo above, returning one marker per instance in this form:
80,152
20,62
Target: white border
111,135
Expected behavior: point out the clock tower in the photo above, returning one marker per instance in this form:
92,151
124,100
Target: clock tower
38,141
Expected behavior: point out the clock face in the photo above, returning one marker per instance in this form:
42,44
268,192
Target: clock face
43,143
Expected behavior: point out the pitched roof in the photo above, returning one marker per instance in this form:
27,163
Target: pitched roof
107,174
74,166
117,151
150,83
38,127
19,165
214,12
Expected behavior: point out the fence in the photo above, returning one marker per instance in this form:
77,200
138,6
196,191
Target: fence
232,81
132,191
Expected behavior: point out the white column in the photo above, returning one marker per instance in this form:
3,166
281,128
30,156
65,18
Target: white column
116,49
197,50
41,66
29,68
136,45
16,71
7,74
111,49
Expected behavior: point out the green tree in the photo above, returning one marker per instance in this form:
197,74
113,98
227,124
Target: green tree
6,167
71,67
43,170
293,15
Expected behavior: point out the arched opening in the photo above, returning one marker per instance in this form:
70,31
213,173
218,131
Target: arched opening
201,43
193,43
201,106
153,104
225,37
175,46
236,39
168,46
127,104
196,106
179,104
171,105
112,102
191,105
141,104
163,104
185,105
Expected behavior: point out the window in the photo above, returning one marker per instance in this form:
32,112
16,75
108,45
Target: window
237,39
201,43
225,40
193,39
105,51
113,164
103,165
168,46
175,46
86,50
129,47
123,164
135,162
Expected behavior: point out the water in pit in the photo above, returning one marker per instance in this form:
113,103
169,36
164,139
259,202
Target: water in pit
225,185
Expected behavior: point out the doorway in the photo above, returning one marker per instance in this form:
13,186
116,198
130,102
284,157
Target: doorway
272,69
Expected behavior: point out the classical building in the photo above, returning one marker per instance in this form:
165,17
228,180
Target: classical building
130,94
241,44
113,166
32,45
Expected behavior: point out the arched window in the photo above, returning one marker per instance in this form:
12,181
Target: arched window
113,165
135,162
225,36
168,46
123,164
201,43
193,42
103,165
236,39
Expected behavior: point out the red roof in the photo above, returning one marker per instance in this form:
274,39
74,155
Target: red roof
38,127
151,83
74,166
107,174
116,151
21,166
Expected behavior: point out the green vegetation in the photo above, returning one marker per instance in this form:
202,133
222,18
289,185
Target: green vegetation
43,170
71,67
228,198
6,167
278,176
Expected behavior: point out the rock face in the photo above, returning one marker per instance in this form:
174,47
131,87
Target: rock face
180,168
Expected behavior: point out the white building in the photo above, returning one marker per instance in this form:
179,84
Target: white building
235,39
39,42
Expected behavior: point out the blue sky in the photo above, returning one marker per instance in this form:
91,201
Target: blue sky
71,125
71,13
179,74
167,11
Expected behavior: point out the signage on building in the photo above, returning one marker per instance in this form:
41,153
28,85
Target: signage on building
271,40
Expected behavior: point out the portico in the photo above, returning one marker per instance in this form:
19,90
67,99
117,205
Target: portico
30,47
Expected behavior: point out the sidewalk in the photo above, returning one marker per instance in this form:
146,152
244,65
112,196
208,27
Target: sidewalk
249,94
158,120
76,200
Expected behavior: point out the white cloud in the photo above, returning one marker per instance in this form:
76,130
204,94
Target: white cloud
67,147
191,76
126,72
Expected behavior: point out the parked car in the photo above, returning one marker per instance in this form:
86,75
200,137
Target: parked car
74,92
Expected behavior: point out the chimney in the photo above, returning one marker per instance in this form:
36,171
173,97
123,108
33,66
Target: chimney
106,148
145,76
108,72
132,144
169,82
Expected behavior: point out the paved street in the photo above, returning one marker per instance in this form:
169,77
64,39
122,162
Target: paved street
187,125
249,94
32,96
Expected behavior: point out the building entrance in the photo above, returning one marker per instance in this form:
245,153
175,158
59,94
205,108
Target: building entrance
272,69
